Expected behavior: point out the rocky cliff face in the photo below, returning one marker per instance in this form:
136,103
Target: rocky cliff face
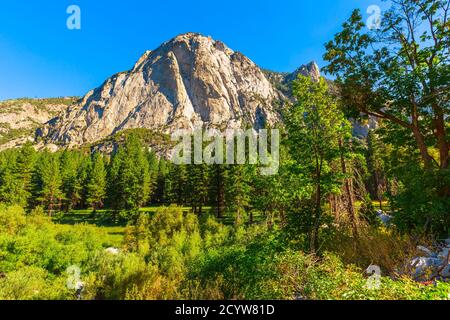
189,82
19,118
283,80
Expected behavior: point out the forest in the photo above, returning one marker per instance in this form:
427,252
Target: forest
130,224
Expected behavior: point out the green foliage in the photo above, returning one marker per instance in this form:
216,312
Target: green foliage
129,179
34,254
400,75
316,129
176,184
238,189
96,184
418,203
12,219
173,255
48,181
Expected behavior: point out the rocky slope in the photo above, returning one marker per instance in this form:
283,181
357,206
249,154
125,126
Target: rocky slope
19,118
282,81
189,82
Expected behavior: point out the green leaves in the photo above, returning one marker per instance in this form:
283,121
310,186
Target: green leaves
316,128
401,75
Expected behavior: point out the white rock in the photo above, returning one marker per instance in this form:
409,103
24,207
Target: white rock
427,251
25,115
112,250
385,218
421,263
189,82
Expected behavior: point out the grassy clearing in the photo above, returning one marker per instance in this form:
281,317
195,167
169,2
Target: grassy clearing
116,229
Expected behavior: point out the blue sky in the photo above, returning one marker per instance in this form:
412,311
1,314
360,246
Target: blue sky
41,57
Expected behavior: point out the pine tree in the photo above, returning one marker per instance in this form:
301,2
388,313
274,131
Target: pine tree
48,181
217,188
79,195
160,195
153,171
24,172
69,163
10,188
129,179
238,189
96,182
177,180
197,187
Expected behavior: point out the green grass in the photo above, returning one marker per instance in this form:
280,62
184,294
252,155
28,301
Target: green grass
116,230
101,220
385,206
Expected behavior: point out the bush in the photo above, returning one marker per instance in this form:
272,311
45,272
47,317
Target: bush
173,255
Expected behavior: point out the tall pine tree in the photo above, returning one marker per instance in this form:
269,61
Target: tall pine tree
96,182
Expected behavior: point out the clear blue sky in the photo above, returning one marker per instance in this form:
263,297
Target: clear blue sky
40,57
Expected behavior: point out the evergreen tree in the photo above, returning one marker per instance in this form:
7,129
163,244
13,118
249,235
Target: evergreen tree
24,172
11,191
69,163
197,187
161,196
153,167
177,180
96,182
238,189
48,181
217,188
129,179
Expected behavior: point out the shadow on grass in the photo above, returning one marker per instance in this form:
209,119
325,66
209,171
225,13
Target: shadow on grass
102,218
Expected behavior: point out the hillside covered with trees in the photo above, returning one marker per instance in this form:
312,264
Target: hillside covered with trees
131,224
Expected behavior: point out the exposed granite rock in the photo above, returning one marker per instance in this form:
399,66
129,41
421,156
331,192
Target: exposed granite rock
283,80
189,82
19,118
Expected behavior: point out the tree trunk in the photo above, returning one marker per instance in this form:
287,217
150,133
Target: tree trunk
444,148
348,192
440,133
318,212
238,216
428,161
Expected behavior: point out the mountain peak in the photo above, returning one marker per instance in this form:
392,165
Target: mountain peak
310,69
189,35
189,82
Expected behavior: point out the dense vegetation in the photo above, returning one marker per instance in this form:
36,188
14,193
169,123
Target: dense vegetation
140,227
177,255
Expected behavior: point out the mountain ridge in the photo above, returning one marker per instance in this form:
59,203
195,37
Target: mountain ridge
188,82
